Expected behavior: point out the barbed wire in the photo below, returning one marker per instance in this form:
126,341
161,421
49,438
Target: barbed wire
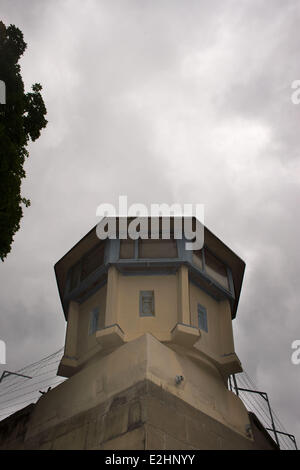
258,405
13,388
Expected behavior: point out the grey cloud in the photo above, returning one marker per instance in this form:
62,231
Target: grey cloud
177,102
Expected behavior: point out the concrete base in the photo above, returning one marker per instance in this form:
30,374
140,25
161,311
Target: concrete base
129,399
144,417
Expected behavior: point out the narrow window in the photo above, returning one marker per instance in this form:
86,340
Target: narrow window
101,319
75,276
149,248
216,269
127,249
146,303
93,320
197,259
202,318
92,260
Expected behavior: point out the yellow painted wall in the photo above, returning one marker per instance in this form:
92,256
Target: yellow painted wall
165,301
175,300
219,339
86,342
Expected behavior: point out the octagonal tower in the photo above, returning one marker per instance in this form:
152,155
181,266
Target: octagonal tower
148,350
114,291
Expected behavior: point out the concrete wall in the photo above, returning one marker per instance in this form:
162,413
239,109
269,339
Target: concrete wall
219,337
85,341
145,358
142,417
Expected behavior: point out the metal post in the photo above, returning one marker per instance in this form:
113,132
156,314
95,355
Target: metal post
265,396
273,429
290,436
272,420
294,440
235,385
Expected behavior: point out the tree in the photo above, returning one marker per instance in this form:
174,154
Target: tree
22,117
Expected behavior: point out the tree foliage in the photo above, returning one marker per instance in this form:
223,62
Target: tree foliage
21,119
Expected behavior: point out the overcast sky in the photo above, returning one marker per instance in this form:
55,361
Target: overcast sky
165,101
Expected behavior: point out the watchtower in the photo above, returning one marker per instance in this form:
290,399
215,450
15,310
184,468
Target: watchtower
148,350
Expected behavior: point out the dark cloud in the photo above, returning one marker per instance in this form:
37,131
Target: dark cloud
172,102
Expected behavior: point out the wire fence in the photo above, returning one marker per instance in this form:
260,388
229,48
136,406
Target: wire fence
16,392
258,404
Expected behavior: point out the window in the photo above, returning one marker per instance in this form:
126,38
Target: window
75,276
149,248
146,303
92,260
101,319
197,259
216,269
127,249
93,325
202,318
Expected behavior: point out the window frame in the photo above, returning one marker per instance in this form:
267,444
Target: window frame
79,264
202,310
137,259
228,290
206,250
143,294
93,320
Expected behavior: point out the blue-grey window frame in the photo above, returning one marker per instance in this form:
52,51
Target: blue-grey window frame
230,288
203,325
79,264
144,293
136,257
93,320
